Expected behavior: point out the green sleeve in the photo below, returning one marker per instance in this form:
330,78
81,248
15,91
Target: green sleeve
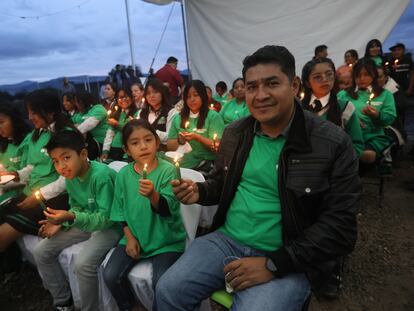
342,96
216,125
99,112
117,211
25,150
175,127
387,113
86,220
353,129
167,192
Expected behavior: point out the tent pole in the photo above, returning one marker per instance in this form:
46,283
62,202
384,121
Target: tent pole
131,46
185,40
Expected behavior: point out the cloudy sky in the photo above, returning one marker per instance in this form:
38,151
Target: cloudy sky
77,37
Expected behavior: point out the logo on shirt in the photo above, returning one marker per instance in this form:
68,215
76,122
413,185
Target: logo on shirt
14,160
376,103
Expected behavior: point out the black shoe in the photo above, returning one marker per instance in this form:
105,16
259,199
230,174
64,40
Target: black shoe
332,288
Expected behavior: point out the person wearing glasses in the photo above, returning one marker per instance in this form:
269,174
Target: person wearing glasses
320,88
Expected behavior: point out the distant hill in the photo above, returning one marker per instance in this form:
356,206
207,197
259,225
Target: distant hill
28,86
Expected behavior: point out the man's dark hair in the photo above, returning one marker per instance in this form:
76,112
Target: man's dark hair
70,139
222,85
271,54
320,48
171,60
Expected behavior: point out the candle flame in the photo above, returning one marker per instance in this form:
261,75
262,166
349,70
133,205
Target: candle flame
212,106
371,96
145,166
396,61
109,112
187,124
387,63
214,136
116,108
302,95
37,195
350,65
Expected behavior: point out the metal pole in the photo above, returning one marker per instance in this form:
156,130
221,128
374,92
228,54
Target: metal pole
131,45
185,40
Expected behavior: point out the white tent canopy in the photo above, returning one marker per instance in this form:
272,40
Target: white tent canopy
221,33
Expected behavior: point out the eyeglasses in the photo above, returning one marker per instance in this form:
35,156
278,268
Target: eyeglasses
328,76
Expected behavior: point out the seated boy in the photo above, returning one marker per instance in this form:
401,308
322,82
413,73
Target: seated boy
90,186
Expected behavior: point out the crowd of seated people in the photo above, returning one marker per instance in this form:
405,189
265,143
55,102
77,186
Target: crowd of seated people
240,140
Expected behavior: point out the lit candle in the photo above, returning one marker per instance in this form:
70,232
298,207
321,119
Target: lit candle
396,62
177,168
109,112
214,140
387,63
211,106
39,198
350,66
302,95
371,96
186,125
144,171
116,108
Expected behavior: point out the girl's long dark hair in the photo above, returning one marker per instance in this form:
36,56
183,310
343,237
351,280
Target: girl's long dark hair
44,102
86,100
136,124
334,112
20,127
132,108
369,65
165,101
185,112
370,44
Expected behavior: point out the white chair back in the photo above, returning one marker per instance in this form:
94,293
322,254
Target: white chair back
117,165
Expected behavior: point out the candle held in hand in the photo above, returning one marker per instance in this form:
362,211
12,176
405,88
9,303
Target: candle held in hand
371,96
187,124
39,198
177,168
214,141
144,171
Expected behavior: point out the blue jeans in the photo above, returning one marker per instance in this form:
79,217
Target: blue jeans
199,272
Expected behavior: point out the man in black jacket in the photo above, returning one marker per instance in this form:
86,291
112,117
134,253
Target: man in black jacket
287,187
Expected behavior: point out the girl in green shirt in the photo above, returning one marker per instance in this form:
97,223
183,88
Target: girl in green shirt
148,210
236,108
375,108
373,50
320,88
198,125
124,111
13,130
23,213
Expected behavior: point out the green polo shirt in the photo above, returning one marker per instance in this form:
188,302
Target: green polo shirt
212,125
117,141
254,217
77,118
90,197
233,111
43,172
155,234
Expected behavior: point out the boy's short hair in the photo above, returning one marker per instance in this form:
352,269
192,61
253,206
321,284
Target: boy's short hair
320,48
171,60
69,139
271,54
222,85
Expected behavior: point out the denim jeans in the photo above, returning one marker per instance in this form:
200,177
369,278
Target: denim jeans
118,267
199,272
86,263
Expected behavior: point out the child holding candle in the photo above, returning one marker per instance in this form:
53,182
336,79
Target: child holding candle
24,212
151,220
203,124
236,108
374,114
90,186
112,147
318,77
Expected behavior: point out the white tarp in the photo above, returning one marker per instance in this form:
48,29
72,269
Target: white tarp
222,32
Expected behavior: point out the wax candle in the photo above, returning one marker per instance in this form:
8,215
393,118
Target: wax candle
177,168
214,140
109,112
144,171
187,124
39,198
371,96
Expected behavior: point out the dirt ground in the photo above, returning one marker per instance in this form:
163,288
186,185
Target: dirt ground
379,274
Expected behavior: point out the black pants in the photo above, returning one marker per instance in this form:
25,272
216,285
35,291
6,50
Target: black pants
118,267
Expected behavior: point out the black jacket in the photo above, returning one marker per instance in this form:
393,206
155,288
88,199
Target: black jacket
319,191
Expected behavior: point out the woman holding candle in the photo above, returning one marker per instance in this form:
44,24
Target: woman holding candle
236,108
151,219
203,123
112,147
374,113
157,109
318,77
24,212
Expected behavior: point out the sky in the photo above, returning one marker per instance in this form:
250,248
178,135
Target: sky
78,37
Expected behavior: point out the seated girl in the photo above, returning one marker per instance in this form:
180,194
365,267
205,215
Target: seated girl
318,77
375,108
198,125
235,108
149,212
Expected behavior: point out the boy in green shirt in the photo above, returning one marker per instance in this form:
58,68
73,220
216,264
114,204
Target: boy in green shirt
90,186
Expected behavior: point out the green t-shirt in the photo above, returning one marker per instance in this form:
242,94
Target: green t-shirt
377,60
90,197
77,118
100,113
233,111
43,172
212,125
155,234
12,157
254,217
117,141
